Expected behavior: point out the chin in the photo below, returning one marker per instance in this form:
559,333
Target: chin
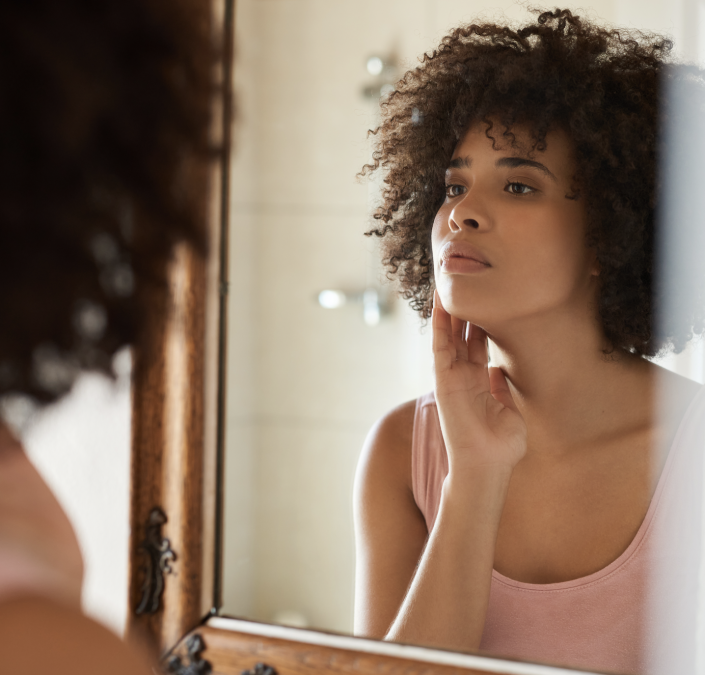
470,311
468,304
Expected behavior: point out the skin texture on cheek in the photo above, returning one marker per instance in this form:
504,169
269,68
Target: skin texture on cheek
532,277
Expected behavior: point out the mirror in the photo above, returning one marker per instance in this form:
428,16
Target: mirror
319,347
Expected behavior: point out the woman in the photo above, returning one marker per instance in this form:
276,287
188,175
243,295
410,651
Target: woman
105,111
510,510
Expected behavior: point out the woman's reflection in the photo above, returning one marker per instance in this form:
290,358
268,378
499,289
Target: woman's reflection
510,510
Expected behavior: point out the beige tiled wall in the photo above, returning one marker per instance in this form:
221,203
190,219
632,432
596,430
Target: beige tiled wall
305,383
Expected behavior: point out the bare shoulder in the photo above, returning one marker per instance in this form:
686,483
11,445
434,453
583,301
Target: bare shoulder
383,490
397,425
670,399
387,448
676,391
42,636
390,530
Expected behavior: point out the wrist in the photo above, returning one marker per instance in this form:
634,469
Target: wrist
479,476
483,485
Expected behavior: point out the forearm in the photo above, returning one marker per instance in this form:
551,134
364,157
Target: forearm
446,604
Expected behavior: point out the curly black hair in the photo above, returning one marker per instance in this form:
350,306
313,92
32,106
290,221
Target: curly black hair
104,106
603,87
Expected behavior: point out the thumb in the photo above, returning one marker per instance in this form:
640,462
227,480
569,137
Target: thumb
500,389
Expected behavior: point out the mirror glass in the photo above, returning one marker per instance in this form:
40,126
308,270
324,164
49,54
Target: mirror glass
319,346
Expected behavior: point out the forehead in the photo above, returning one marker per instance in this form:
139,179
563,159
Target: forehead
558,153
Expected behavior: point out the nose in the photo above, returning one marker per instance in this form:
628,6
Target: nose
465,213
467,222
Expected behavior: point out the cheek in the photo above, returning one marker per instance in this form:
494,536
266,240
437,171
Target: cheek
542,263
438,231
550,258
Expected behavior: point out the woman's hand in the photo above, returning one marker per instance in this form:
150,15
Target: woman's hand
485,436
481,424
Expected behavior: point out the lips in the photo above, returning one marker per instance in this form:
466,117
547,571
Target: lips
462,249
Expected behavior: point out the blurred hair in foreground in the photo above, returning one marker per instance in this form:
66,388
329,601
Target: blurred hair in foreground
104,116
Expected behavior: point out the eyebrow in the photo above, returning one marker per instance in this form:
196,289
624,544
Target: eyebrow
509,162
460,163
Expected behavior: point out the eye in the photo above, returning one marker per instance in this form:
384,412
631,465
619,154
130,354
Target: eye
515,188
454,190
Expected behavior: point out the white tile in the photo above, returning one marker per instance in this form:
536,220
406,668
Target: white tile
306,111
305,542
239,560
322,364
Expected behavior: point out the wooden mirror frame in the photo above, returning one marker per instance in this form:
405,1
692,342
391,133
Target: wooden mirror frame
178,398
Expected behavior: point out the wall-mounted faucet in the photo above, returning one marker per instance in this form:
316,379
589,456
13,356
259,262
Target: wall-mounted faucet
385,70
375,302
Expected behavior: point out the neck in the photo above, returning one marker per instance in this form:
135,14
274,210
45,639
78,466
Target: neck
565,386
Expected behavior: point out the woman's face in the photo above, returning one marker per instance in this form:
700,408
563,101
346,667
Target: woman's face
507,244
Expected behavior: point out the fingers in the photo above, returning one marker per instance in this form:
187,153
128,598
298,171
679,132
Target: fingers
477,346
442,332
461,339
499,388
459,328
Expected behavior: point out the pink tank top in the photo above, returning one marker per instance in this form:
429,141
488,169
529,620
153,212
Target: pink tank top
604,621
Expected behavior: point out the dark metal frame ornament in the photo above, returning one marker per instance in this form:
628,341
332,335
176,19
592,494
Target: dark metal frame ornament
159,555
196,665
261,669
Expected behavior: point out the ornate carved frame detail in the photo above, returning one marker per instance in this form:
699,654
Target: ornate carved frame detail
174,416
196,665
159,555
